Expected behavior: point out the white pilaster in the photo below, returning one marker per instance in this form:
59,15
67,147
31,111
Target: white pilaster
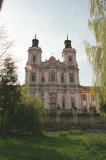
78,100
59,77
37,77
59,99
67,100
46,100
46,76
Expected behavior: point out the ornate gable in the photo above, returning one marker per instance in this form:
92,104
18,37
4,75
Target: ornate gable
52,63
52,60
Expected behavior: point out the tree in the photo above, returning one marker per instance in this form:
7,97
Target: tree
9,93
20,110
5,43
97,53
30,114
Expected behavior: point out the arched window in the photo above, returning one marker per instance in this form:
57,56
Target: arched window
43,77
71,78
52,76
62,78
33,77
34,59
70,60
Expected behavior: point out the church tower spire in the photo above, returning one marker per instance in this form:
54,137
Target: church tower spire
67,43
35,42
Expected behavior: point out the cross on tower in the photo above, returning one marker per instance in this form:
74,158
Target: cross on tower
67,36
35,35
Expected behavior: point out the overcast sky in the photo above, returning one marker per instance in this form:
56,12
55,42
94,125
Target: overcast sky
51,20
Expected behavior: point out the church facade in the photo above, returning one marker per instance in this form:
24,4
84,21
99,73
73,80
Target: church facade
55,82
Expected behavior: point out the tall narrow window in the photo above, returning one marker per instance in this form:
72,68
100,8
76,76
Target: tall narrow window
34,59
70,59
43,77
84,98
53,76
62,78
33,77
71,78
63,104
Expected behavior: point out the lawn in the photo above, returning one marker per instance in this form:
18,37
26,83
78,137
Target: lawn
59,146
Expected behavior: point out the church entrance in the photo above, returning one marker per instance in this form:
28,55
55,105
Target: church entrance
53,103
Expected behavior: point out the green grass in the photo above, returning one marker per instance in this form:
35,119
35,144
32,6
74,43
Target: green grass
60,146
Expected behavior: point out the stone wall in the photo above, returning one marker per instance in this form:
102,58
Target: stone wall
59,120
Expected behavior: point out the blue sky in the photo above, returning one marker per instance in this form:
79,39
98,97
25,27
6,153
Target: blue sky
51,21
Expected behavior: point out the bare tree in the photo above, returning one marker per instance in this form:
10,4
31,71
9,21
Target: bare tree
5,43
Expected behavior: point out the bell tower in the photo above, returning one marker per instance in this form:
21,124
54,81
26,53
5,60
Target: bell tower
34,53
69,60
69,53
34,62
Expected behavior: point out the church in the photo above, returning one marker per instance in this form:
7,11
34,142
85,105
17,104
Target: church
56,82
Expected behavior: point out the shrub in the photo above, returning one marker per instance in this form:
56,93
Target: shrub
29,113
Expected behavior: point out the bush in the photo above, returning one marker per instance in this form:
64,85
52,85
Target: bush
29,113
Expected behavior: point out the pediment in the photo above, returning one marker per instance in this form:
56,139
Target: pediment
52,62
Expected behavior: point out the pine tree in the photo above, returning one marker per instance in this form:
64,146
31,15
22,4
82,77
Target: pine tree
9,93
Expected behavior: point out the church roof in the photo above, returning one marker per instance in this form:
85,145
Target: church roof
85,88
